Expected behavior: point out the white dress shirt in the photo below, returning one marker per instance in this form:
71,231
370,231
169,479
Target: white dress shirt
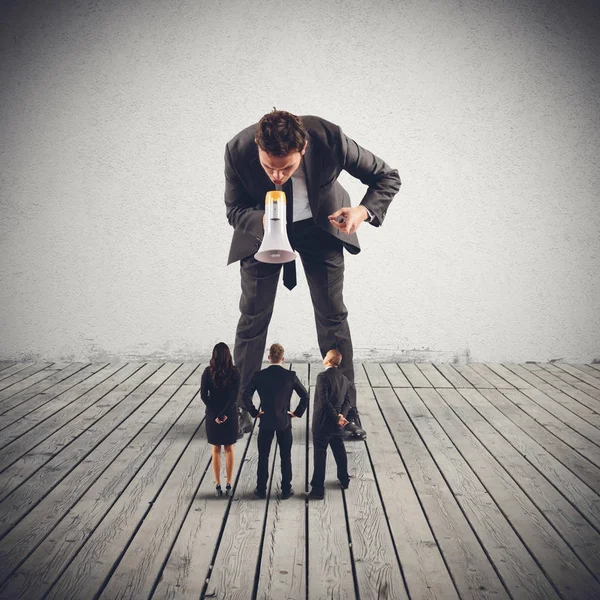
301,207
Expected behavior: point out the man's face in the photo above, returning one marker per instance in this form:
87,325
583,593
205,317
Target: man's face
280,168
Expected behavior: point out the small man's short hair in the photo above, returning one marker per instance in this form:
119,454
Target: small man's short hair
276,352
334,357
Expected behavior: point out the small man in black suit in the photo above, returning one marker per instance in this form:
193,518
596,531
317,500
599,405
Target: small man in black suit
275,385
332,403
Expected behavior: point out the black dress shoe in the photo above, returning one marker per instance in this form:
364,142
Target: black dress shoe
345,484
287,494
262,494
314,495
352,431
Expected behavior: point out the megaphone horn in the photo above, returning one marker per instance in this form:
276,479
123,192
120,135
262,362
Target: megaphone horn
275,247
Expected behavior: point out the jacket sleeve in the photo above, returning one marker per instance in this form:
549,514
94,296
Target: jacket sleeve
324,391
241,208
233,395
383,181
346,403
301,391
247,396
205,387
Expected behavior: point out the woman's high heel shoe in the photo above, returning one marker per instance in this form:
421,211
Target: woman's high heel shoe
228,490
218,491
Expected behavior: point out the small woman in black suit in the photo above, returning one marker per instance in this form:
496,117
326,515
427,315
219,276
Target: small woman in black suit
219,390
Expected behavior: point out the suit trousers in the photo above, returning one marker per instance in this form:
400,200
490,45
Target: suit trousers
323,261
320,443
284,440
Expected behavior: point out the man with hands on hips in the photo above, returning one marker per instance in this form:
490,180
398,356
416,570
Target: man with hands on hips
304,157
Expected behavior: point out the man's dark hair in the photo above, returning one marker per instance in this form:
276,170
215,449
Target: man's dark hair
279,132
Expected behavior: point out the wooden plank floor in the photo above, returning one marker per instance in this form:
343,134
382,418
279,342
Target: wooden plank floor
477,481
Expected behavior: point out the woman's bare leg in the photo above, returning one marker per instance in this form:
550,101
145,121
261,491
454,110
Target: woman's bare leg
216,463
229,462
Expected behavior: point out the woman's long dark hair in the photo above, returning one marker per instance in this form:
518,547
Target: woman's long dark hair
221,366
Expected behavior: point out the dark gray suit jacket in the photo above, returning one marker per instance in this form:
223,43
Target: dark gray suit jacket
275,386
328,152
332,398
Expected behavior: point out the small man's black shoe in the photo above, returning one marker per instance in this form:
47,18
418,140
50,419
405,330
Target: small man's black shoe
262,494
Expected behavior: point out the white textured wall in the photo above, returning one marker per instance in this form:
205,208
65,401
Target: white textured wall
113,119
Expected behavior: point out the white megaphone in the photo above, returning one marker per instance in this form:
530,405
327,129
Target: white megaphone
275,247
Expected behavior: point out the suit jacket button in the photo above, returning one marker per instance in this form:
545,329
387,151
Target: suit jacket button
256,245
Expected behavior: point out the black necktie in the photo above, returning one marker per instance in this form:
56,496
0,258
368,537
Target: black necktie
289,268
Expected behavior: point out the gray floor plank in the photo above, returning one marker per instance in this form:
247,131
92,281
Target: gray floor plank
426,575
589,369
329,561
520,572
576,382
360,375
378,571
433,375
196,377
483,494
453,376
570,436
33,490
558,561
509,376
107,470
67,446
414,375
579,465
283,560
5,364
313,372
159,513
48,404
187,567
49,373
13,377
16,368
576,491
395,376
36,574
233,572
28,400
22,436
471,571
593,381
472,376
376,375
491,376
577,423
580,536
560,383
569,401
